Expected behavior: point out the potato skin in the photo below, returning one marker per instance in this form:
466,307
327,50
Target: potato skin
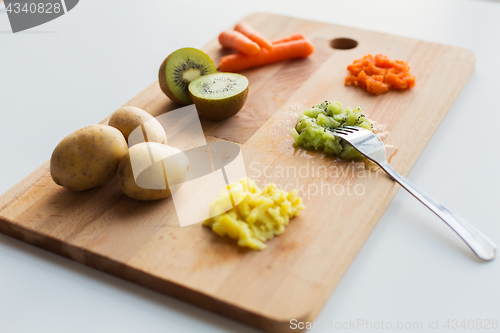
128,118
170,161
88,157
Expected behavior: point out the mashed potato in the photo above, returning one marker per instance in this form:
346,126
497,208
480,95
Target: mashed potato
259,215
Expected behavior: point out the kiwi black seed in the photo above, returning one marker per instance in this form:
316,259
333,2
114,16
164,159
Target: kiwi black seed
179,69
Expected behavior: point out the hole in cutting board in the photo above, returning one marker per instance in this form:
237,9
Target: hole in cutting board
343,43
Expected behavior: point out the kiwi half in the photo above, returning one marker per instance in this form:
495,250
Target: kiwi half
179,69
219,96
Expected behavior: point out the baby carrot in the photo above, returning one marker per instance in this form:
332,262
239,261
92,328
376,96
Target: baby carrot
238,41
288,38
248,31
282,51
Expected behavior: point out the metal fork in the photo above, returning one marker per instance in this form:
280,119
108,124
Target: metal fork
370,145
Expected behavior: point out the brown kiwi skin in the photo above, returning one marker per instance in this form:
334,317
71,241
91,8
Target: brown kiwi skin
162,79
225,108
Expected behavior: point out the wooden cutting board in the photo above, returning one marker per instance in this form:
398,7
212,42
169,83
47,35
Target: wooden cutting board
291,279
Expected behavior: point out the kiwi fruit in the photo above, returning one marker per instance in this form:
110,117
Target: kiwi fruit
219,96
179,69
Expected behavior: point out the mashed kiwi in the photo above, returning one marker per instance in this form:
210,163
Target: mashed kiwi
258,216
314,125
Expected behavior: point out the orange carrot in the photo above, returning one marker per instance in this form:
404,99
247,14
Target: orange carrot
248,31
282,51
377,74
288,39
238,41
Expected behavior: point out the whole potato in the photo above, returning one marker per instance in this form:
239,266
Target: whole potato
144,170
88,157
128,118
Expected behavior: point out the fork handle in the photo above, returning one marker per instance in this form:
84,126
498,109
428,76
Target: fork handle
482,246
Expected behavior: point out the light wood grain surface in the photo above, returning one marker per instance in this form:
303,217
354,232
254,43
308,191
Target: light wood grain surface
291,279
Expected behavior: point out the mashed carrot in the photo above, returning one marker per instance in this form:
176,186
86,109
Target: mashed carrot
378,74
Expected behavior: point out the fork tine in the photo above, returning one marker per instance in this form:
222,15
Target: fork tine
342,130
347,130
339,132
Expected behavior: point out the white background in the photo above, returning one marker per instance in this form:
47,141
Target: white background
77,69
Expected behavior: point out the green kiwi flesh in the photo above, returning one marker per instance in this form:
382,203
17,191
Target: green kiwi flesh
219,96
179,69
